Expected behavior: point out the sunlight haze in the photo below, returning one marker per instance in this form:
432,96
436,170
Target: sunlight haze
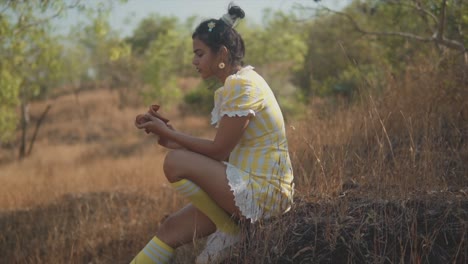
125,17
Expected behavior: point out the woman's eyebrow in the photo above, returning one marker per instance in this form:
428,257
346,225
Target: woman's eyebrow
197,50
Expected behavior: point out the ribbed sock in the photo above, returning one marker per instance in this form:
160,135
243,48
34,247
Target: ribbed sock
155,252
201,200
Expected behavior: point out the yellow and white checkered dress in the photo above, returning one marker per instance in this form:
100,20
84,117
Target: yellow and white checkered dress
259,168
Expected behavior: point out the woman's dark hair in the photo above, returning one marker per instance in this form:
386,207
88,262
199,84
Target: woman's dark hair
220,32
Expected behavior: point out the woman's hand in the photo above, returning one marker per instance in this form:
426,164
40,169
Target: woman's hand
151,124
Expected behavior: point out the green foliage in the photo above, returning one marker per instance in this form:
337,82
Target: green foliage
200,100
102,45
338,58
34,50
348,50
280,41
289,99
33,60
148,30
165,59
381,17
9,89
277,50
351,81
28,55
160,67
76,62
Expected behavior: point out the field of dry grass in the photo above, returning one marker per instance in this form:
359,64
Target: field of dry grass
383,181
93,189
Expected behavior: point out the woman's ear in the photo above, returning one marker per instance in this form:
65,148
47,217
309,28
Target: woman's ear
224,54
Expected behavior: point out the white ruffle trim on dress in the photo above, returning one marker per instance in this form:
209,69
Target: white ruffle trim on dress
243,194
216,114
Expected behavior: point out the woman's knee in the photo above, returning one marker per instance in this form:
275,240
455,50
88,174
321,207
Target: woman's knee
173,164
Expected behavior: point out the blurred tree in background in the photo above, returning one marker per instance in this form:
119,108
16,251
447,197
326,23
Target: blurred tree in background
277,49
163,47
29,63
108,60
32,61
359,45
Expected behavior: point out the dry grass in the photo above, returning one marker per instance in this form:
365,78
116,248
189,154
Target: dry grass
411,138
93,189
425,229
384,181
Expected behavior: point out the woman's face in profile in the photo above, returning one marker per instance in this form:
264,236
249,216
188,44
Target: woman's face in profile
203,59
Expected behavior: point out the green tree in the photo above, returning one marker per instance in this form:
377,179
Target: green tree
31,60
103,46
351,48
105,58
28,58
277,49
280,40
148,30
163,47
162,66
335,53
75,64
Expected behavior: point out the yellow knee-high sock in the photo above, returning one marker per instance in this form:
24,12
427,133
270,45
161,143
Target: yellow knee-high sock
155,252
208,206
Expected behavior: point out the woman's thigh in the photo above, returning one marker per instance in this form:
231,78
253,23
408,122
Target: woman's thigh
208,174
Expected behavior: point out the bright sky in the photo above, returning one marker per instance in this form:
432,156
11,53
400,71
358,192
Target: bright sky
125,17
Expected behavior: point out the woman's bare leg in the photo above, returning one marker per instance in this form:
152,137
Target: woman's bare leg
185,225
204,182
208,174
178,229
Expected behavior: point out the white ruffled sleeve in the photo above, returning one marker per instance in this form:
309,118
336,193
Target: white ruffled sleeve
216,112
239,97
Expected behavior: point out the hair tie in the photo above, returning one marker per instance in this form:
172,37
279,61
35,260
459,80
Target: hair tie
229,20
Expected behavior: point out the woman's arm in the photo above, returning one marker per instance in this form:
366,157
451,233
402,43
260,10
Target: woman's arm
168,143
229,132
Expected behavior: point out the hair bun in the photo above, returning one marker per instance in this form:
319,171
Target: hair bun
235,13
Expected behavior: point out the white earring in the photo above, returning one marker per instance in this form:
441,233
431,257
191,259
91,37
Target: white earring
221,65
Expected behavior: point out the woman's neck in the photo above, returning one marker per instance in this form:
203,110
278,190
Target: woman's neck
229,70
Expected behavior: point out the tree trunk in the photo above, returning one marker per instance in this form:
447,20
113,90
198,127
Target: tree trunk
24,129
36,130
